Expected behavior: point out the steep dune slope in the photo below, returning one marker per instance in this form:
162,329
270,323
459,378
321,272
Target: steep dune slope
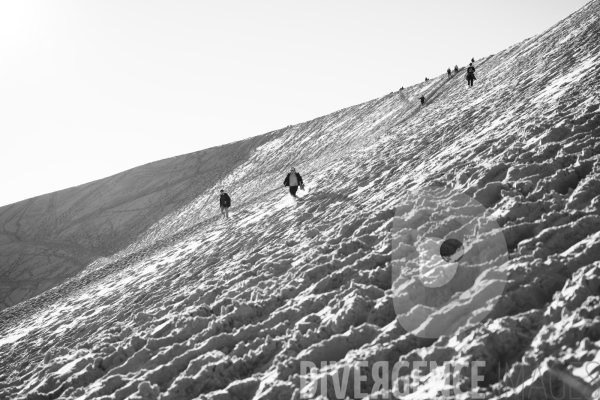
47,239
197,307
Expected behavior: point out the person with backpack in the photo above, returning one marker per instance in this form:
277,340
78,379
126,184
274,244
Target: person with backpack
426,79
225,203
423,100
293,180
470,74
449,73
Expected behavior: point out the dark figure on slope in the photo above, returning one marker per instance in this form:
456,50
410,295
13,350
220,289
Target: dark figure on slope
449,73
422,100
293,180
473,59
456,69
470,75
225,203
426,79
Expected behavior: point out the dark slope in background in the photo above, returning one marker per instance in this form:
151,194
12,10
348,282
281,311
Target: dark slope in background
47,239
185,306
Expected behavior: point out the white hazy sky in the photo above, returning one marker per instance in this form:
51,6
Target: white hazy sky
91,88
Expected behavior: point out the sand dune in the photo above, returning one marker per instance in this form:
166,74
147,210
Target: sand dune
133,287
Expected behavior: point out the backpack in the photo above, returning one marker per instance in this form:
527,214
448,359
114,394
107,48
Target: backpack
225,200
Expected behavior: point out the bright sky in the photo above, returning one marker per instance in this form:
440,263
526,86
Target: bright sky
91,88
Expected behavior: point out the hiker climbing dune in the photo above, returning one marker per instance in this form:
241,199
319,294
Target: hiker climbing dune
293,180
224,203
470,75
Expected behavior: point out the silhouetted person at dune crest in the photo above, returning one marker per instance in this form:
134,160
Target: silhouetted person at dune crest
470,75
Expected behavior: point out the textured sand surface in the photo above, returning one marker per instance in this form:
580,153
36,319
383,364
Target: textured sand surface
185,305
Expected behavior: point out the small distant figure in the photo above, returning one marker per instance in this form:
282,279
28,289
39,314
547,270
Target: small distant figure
426,79
472,60
470,74
456,69
293,180
225,203
449,72
422,100
402,88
